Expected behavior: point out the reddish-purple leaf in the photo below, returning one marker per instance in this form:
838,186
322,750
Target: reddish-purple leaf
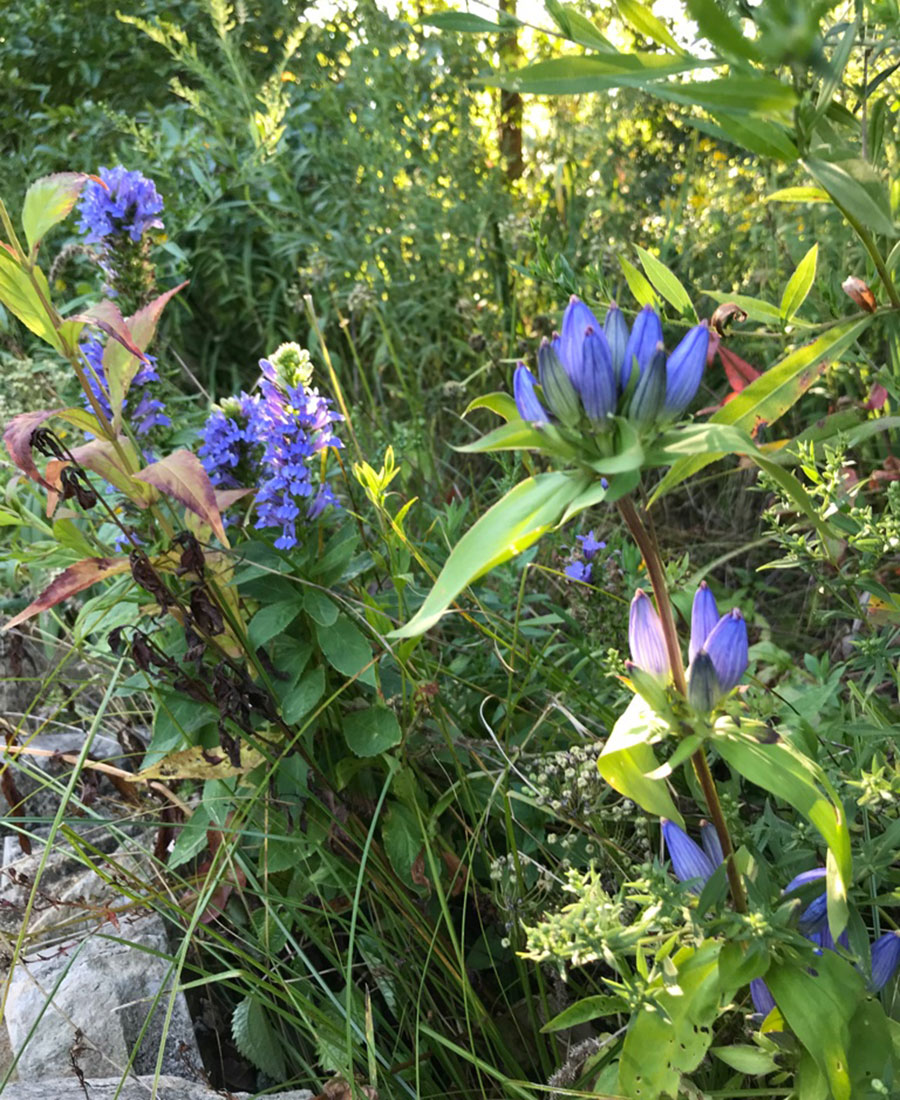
181,475
17,438
119,364
106,316
738,371
76,578
100,456
226,497
48,201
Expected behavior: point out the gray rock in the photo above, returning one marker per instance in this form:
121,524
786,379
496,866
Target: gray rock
170,1088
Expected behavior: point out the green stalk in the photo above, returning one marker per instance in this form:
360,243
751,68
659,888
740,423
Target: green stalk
648,548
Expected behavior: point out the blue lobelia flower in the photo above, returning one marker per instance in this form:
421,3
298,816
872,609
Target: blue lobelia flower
691,864
646,639
718,651
125,203
145,411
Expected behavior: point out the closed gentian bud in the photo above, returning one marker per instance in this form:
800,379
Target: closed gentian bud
527,401
598,382
762,998
804,879
689,862
885,959
577,319
646,334
650,395
685,369
704,617
559,393
645,637
815,916
727,646
703,684
616,329
709,838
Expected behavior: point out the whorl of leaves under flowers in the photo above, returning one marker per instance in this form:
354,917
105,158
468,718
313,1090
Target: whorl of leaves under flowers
268,440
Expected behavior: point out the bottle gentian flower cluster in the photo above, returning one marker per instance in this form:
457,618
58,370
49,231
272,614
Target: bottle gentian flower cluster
694,865
718,648
595,371
267,440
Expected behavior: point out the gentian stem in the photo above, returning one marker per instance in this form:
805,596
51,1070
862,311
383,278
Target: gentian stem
648,548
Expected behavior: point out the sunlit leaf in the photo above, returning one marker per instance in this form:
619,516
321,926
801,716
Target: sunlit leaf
643,292
799,284
645,22
501,403
27,301
866,201
47,202
666,283
798,194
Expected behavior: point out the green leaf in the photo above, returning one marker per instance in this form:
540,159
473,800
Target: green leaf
715,24
303,696
520,435
771,395
762,136
403,840
255,1038
839,58
696,439
666,283
643,292
500,403
645,22
780,769
468,24
371,731
628,757
273,619
320,607
746,1059
755,308
818,1008
867,202
573,75
20,297
47,202
798,194
347,650
577,28
799,284
585,1010
512,525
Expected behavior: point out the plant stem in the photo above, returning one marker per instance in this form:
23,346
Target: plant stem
648,548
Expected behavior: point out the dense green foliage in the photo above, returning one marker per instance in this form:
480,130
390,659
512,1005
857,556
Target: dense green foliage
394,858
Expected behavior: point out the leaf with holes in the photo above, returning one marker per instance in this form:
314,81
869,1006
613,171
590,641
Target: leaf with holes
181,475
72,580
47,202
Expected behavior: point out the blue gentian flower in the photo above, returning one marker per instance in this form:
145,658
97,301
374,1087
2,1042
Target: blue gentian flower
709,838
645,637
719,646
762,998
690,863
885,959
590,544
129,203
579,571
588,368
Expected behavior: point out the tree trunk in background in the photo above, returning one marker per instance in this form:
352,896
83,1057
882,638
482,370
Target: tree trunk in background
510,102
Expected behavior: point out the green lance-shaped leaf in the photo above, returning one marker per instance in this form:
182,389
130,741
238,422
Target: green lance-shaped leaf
47,202
466,23
798,194
509,527
799,284
666,283
780,769
643,292
755,308
857,189
759,135
519,435
498,402
714,24
628,759
818,1008
577,28
645,22
30,303
771,395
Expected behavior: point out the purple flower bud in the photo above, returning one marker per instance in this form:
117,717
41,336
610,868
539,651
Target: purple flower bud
559,393
646,333
762,998
689,862
703,684
704,617
650,394
709,838
727,645
685,369
885,959
815,916
804,879
616,329
598,382
577,319
527,401
645,637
